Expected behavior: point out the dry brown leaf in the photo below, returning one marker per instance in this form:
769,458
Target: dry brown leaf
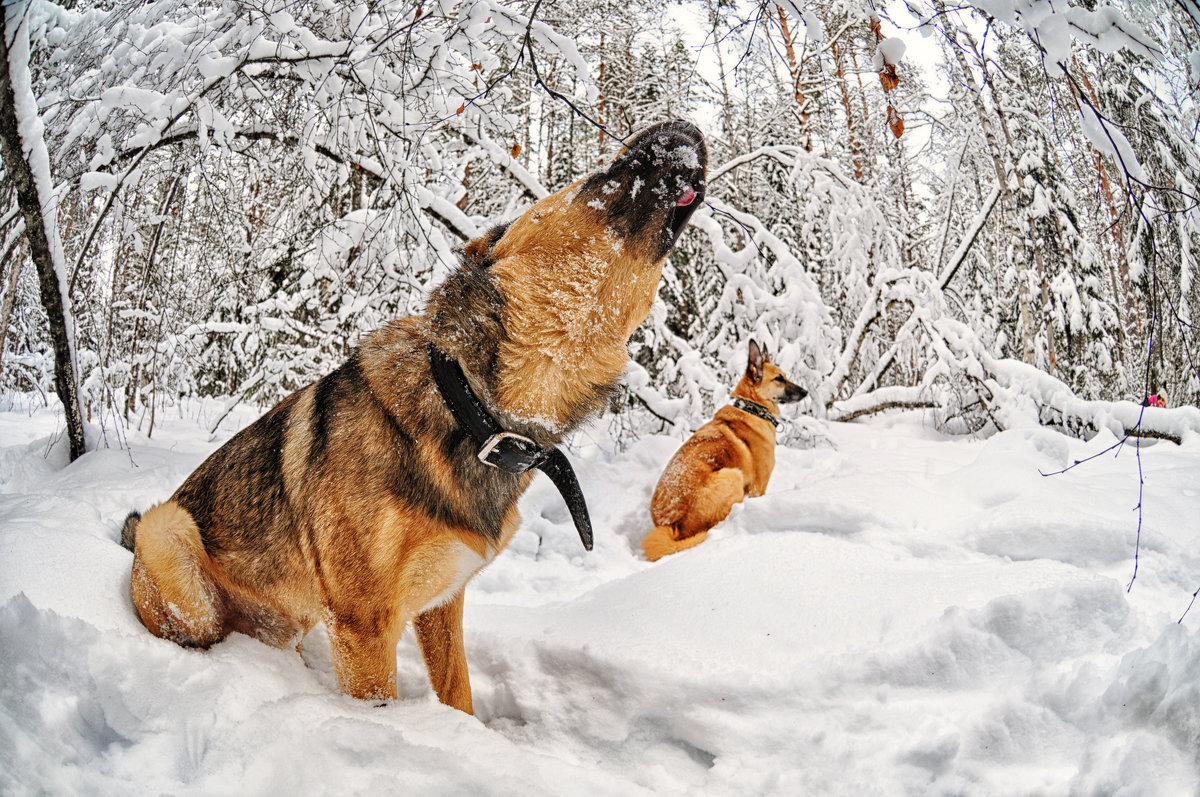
516,150
461,108
895,122
888,77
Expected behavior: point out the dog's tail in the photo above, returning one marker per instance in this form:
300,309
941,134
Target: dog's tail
129,530
661,542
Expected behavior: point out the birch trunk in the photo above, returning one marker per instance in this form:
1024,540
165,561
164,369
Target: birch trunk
39,211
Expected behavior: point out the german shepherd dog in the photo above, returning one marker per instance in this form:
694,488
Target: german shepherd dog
727,459
360,501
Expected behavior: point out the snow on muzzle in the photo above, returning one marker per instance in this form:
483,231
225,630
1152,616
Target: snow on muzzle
652,188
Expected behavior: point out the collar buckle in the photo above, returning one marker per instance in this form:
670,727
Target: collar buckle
510,452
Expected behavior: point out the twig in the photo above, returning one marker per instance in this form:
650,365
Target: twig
1137,547
1085,460
1189,607
667,421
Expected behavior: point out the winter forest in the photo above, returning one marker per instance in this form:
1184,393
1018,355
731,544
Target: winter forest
981,210
968,229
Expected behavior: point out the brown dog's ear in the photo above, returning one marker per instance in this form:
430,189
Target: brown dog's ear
479,251
754,364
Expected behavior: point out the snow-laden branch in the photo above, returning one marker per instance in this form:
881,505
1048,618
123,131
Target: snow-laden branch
505,160
796,316
897,397
892,288
448,212
1022,394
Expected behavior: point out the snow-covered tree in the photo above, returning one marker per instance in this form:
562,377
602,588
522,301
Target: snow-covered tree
244,189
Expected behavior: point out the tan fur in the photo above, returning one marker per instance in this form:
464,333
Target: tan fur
177,603
660,542
358,501
728,458
582,308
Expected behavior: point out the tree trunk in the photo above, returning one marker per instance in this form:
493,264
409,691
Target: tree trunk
38,230
855,145
1116,227
985,120
794,71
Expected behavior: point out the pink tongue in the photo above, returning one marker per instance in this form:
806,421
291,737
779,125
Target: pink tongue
688,197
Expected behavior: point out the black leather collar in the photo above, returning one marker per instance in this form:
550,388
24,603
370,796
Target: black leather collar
754,408
507,451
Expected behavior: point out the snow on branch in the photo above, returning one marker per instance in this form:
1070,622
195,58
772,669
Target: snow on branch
1024,395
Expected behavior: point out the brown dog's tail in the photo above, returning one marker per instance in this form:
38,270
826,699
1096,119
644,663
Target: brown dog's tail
129,530
661,542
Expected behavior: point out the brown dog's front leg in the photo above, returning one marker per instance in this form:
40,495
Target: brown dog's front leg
440,635
364,658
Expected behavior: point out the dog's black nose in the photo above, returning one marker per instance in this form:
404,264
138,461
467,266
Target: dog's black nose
674,134
688,130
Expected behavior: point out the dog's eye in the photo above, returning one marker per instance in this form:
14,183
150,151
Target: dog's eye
780,379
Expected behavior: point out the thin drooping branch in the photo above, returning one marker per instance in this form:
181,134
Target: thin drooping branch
527,48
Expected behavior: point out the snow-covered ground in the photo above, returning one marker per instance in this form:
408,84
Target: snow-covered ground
901,614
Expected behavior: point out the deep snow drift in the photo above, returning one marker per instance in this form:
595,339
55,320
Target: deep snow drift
901,614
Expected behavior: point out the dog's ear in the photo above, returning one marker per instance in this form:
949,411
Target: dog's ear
754,363
766,355
479,251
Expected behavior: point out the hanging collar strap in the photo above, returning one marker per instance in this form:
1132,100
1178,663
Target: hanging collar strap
754,408
507,451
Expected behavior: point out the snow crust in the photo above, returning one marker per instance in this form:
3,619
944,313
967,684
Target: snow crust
901,613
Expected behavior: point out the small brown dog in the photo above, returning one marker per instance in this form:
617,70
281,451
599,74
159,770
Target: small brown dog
727,459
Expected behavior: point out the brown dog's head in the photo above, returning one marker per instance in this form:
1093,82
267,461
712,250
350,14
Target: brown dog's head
579,270
651,190
639,204
763,382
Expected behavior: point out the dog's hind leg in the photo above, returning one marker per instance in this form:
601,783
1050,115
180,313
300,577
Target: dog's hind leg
172,593
712,503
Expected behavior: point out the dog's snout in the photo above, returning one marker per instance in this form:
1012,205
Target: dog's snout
792,392
652,188
691,135
680,141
